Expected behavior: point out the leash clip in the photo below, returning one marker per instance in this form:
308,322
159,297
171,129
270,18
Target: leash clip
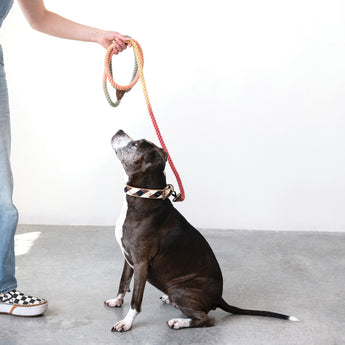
177,196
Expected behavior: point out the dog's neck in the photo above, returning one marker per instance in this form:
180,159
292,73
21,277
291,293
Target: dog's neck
152,180
144,205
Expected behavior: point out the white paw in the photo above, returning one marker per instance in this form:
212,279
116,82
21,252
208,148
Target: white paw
179,323
122,326
165,299
125,324
114,303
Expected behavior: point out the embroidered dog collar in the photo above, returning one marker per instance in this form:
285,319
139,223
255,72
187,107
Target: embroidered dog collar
150,193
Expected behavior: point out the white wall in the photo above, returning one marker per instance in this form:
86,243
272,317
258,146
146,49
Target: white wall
249,95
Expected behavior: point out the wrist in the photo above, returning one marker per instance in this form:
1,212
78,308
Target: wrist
97,36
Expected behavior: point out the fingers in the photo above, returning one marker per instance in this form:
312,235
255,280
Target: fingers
106,38
120,42
121,37
119,45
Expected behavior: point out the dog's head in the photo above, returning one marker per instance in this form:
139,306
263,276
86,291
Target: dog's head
138,156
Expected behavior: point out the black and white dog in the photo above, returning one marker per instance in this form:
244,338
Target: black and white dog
161,247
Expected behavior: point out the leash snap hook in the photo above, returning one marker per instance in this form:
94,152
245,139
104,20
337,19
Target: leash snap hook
177,196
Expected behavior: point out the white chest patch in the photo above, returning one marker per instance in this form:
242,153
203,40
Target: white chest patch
119,229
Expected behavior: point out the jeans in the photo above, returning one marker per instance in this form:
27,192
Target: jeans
8,212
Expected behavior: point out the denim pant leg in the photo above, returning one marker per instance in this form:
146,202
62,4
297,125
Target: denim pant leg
8,212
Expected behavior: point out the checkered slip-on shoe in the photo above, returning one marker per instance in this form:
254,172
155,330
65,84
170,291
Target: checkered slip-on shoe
19,304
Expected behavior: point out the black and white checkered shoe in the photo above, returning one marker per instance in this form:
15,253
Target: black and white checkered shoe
19,304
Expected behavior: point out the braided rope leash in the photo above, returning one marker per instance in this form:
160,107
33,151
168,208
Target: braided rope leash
138,73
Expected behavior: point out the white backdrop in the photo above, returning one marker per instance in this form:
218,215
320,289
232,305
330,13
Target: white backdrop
249,96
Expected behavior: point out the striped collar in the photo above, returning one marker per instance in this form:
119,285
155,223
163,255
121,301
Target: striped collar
150,193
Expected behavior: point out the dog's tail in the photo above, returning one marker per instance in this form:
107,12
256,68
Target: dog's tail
234,310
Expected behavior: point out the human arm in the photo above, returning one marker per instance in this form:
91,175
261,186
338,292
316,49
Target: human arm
53,24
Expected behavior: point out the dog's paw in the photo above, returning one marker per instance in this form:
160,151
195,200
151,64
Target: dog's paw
178,323
122,326
114,303
165,299
125,324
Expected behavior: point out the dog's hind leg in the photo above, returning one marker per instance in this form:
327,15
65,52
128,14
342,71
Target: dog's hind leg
198,319
126,277
194,309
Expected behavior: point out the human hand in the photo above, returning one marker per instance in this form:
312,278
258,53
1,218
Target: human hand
106,38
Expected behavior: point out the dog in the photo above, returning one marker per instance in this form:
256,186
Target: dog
161,247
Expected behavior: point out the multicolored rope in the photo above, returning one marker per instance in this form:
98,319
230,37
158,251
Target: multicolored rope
138,73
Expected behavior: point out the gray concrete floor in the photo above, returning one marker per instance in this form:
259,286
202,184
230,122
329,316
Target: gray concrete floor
77,268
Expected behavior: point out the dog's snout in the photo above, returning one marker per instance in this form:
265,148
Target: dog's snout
119,134
120,139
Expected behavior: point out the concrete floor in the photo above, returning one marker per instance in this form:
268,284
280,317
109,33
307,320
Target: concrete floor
76,268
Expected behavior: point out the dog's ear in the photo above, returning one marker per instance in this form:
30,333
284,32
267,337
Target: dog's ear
162,158
163,154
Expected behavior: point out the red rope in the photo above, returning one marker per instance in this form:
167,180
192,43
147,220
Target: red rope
171,163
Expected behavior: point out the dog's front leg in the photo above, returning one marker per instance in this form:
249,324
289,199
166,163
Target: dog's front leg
140,275
125,280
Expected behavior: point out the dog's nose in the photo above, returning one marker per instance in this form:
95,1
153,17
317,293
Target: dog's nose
120,132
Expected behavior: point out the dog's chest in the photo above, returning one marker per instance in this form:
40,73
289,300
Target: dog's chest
119,230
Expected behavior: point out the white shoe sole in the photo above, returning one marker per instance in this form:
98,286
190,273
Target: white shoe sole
23,310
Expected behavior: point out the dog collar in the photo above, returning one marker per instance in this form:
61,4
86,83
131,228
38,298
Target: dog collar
150,193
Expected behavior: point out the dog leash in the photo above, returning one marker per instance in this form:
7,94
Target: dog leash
138,73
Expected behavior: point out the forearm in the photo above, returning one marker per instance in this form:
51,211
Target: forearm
53,24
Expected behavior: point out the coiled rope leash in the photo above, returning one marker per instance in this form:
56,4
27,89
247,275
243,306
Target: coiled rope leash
137,73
